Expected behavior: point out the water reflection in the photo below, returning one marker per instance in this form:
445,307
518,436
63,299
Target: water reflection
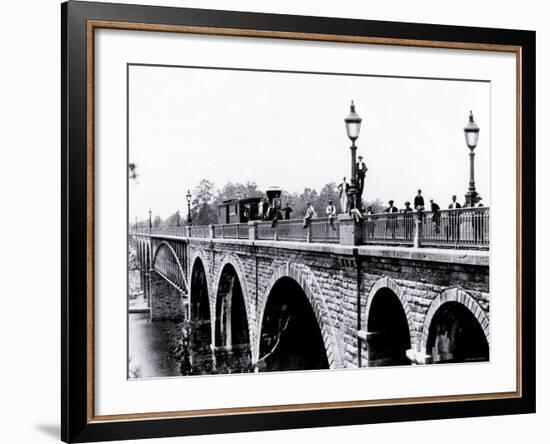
149,347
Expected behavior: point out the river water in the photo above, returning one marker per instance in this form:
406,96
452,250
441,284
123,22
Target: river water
149,347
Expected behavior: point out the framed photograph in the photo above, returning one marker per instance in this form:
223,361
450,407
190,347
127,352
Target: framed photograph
275,221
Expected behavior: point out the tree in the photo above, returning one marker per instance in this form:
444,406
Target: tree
377,205
157,222
328,192
172,220
233,190
300,202
203,210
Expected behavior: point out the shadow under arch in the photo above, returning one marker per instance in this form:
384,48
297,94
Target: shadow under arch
388,323
231,331
199,319
293,331
456,329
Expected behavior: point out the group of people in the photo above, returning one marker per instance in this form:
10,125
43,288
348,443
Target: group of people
274,211
343,188
330,212
452,222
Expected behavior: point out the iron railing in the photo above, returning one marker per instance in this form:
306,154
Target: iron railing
291,230
265,231
200,231
324,230
170,231
457,228
389,228
231,231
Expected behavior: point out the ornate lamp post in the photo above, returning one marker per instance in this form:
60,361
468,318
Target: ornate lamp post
150,220
471,133
353,127
188,197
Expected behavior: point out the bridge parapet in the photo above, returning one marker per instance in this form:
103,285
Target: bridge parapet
463,228
354,292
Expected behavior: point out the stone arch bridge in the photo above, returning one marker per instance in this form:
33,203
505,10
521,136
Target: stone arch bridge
268,305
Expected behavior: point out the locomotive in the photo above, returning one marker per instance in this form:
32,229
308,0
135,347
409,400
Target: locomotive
241,210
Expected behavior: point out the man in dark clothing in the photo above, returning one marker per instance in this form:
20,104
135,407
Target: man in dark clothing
391,222
454,204
361,173
436,216
408,220
276,214
391,208
287,210
419,201
453,230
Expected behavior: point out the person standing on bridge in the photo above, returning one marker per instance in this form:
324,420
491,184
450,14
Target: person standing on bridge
287,210
419,201
276,214
370,222
436,216
261,209
391,218
361,173
453,230
343,189
331,214
265,206
408,221
310,214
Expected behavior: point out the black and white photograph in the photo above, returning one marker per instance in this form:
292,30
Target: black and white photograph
291,221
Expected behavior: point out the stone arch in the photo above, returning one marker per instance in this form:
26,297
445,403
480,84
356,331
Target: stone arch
200,315
455,294
169,247
389,283
389,322
236,263
198,255
304,277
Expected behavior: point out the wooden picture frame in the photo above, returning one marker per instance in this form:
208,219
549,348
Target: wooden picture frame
79,22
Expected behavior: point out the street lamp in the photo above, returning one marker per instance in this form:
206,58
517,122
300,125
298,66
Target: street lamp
150,219
471,134
188,197
353,127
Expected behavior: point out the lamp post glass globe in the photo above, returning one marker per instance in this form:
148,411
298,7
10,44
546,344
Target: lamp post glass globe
353,123
471,132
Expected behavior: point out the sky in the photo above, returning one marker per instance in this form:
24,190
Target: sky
287,130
